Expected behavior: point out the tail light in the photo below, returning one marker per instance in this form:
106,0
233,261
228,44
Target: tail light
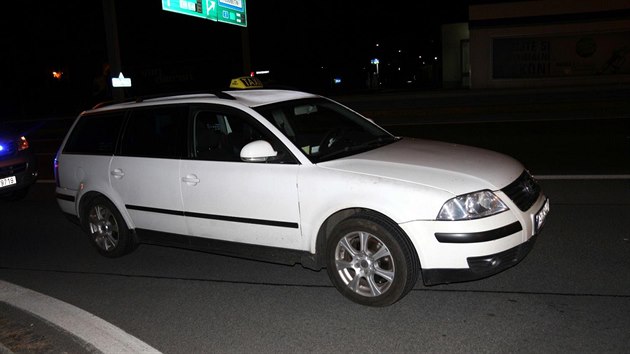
56,170
22,144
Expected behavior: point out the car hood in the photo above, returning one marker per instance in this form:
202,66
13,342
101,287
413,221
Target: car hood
457,169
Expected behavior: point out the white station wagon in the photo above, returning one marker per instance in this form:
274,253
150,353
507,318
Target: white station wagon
292,177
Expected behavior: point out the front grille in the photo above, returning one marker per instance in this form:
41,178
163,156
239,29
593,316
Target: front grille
12,170
523,191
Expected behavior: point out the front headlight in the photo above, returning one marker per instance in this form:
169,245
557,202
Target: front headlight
472,206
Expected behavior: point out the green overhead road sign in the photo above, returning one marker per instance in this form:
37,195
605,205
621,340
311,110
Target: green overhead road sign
231,11
227,11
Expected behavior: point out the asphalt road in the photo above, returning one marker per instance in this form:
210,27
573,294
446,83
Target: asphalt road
571,294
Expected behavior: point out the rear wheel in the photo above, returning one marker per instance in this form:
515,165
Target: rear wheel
370,261
107,229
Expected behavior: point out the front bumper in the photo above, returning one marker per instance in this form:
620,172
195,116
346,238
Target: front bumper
23,167
454,251
479,267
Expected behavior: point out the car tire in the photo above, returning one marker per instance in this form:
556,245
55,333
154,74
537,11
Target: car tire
371,261
16,195
107,229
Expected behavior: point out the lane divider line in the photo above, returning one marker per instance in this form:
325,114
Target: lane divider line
93,330
581,177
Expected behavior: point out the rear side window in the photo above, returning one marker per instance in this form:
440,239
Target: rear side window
155,132
95,134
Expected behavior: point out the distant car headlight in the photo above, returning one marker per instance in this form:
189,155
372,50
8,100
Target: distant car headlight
472,206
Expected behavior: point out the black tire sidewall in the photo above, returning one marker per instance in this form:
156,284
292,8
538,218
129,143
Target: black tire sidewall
16,195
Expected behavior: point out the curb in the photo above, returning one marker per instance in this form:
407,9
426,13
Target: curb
68,323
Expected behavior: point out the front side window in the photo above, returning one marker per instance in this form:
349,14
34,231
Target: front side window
219,135
324,130
155,132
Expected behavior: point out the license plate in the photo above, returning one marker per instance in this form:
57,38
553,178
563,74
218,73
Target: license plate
541,215
5,182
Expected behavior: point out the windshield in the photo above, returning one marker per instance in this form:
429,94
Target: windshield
324,130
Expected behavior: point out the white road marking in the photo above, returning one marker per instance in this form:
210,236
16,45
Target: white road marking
101,334
581,177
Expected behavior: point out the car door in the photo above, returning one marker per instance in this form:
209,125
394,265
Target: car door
145,172
231,200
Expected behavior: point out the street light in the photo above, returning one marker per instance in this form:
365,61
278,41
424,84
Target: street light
375,61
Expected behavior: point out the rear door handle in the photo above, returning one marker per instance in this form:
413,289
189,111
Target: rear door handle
118,173
191,180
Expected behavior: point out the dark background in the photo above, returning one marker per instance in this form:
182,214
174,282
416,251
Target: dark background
305,44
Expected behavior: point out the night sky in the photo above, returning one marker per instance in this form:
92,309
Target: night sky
305,44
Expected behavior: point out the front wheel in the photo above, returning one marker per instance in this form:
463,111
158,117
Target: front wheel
107,229
16,195
370,261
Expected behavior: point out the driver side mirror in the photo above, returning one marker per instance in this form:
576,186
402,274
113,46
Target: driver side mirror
258,151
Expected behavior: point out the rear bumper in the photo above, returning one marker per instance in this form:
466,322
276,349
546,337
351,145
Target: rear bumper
480,267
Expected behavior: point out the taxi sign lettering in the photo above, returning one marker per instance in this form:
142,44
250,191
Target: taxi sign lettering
246,83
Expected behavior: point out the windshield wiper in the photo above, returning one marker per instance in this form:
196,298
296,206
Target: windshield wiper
368,145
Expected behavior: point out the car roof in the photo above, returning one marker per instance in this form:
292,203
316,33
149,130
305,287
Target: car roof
254,98
248,98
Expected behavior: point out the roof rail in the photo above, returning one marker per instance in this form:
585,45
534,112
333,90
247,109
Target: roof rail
138,99
113,102
103,104
224,95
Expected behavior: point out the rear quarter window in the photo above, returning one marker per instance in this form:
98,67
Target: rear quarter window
95,134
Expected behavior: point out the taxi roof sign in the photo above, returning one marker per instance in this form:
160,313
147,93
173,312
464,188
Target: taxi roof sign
246,82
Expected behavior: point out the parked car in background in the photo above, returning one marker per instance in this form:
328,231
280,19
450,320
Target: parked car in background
18,165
